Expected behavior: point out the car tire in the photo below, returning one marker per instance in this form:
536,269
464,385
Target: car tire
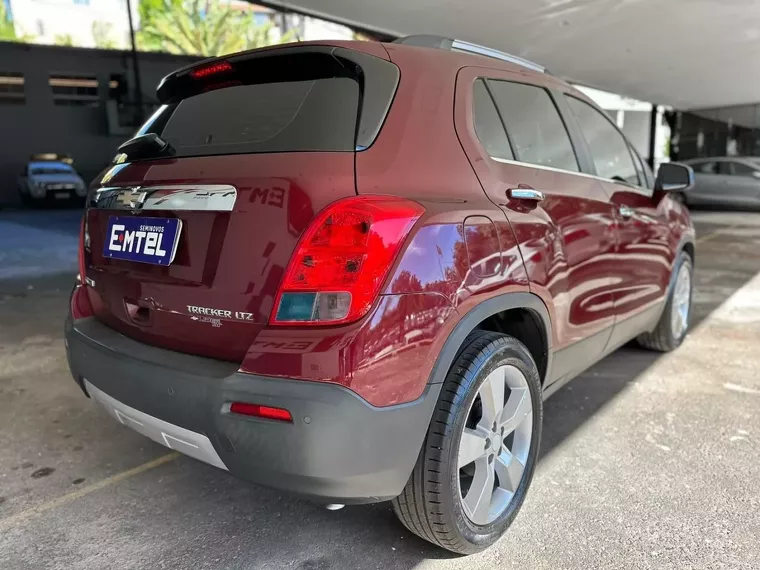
436,503
676,316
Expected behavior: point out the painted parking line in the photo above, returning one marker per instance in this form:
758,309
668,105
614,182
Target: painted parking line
84,491
711,235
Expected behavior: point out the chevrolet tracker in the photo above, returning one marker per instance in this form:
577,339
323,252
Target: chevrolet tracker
354,271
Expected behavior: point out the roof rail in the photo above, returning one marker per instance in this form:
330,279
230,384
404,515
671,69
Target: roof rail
440,42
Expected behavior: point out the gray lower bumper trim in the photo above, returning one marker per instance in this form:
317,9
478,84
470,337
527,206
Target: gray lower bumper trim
190,443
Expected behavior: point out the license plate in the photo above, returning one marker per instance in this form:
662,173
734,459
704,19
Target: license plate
60,195
145,240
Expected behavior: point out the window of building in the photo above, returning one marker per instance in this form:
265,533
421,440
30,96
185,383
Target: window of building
261,18
488,125
609,149
117,86
534,127
11,87
74,90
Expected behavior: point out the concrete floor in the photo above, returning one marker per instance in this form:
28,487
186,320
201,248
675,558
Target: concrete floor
648,461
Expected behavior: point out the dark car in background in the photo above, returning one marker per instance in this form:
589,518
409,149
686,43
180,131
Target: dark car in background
355,270
726,181
50,179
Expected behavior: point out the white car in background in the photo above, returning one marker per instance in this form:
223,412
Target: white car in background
45,181
725,181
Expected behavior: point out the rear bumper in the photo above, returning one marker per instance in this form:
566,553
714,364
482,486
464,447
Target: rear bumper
338,449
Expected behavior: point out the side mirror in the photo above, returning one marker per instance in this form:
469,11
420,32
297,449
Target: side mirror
674,177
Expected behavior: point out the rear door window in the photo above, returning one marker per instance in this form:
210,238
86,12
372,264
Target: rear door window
488,125
609,149
534,126
313,115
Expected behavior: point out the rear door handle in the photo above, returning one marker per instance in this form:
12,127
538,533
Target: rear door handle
626,212
525,194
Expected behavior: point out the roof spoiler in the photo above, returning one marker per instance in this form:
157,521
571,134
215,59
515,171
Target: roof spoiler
449,44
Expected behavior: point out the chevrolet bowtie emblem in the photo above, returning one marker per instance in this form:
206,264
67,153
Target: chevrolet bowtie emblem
131,198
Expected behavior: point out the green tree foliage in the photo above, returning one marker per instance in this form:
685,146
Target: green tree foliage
8,29
102,35
199,27
63,40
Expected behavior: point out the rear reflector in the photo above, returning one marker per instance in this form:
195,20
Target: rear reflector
258,411
342,259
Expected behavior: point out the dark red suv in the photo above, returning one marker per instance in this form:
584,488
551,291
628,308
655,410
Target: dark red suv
353,271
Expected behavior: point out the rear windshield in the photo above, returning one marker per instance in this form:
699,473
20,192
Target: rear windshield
310,115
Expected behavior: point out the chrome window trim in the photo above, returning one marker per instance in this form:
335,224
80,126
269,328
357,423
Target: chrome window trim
185,197
574,173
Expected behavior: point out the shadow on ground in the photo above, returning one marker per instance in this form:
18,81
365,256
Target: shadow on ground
64,220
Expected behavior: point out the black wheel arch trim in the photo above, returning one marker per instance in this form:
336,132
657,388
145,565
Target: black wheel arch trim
686,240
479,313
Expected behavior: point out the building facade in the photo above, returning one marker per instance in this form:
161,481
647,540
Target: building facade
71,101
719,131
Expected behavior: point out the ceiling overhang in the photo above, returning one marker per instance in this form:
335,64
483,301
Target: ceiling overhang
684,53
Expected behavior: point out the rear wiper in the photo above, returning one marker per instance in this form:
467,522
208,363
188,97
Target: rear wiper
149,145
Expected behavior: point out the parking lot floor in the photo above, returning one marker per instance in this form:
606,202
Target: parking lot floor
647,461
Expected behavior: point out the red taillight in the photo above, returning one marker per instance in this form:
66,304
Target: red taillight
255,410
342,259
211,69
80,305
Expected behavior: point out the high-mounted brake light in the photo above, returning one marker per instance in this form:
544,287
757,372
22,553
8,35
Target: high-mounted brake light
342,259
211,69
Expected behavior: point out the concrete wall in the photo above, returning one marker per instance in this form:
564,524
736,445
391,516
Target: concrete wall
39,125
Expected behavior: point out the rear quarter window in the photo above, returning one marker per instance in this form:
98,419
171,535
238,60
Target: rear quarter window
488,126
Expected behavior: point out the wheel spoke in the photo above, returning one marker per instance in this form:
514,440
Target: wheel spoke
492,397
472,445
517,408
681,303
490,471
509,470
478,499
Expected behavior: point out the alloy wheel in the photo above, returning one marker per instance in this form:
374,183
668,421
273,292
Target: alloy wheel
681,305
494,445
